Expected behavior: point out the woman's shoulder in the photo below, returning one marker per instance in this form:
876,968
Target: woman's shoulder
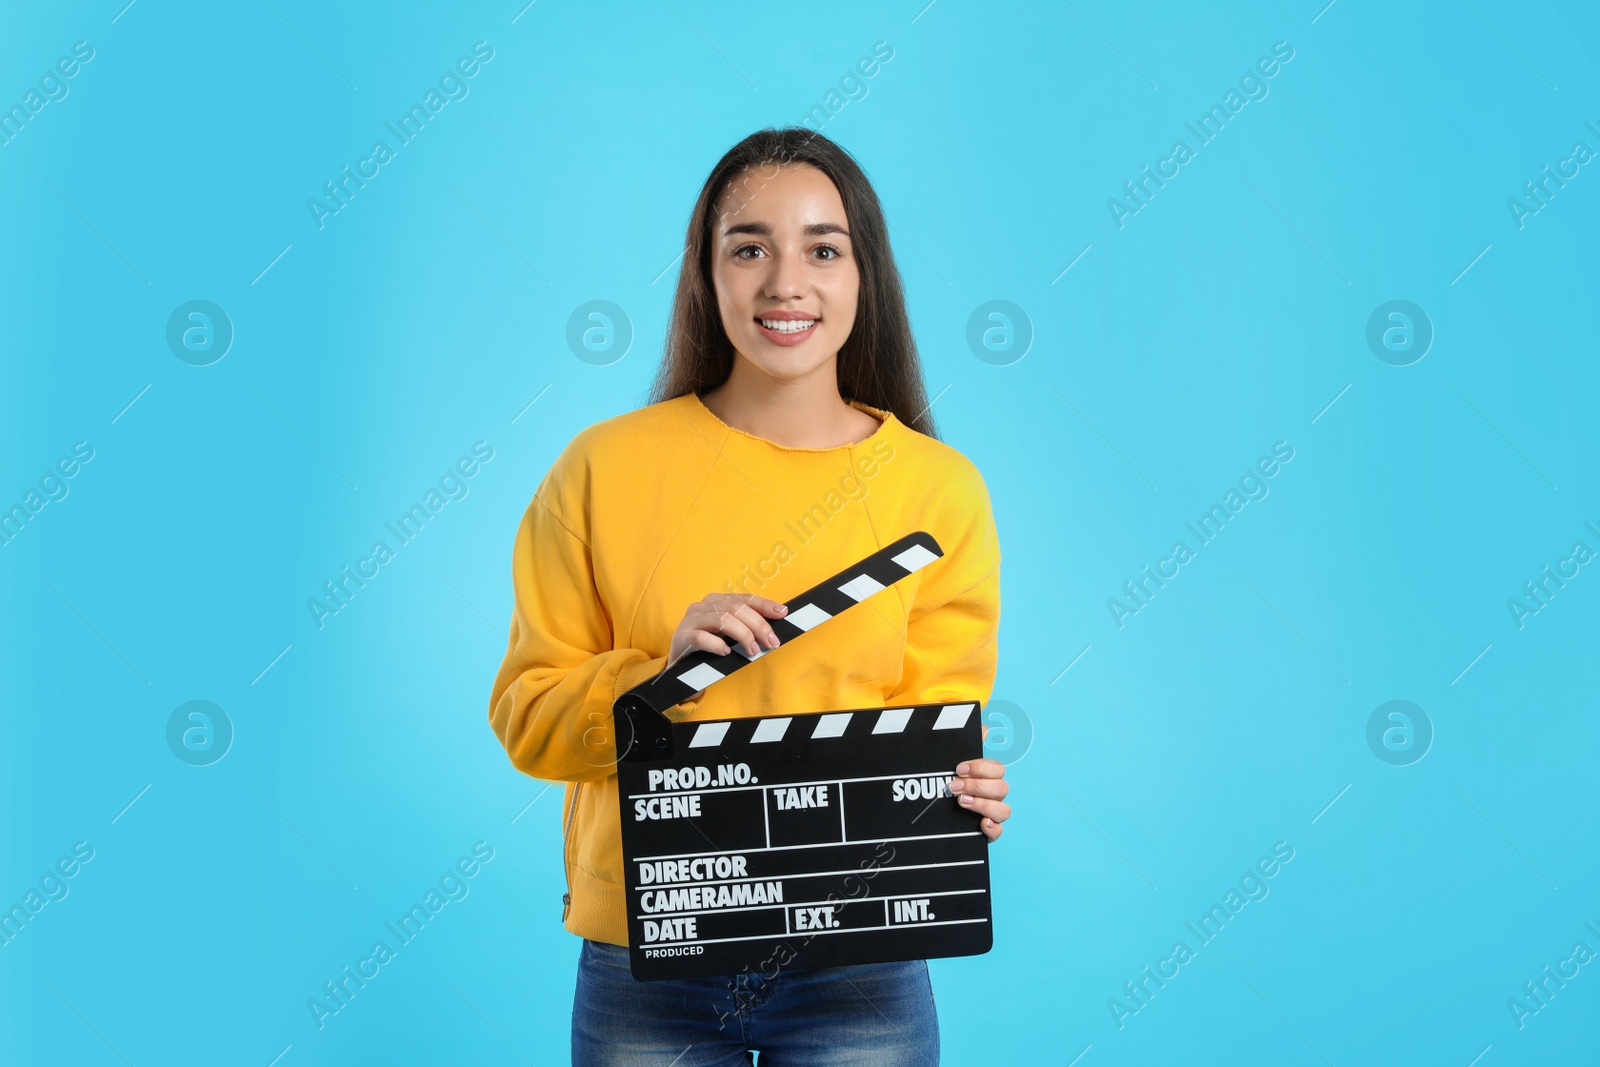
941,462
626,436
607,456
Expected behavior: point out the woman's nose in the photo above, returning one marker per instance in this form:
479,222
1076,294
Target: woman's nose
788,277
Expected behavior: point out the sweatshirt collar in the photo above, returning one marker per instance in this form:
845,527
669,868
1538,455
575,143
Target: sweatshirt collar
692,403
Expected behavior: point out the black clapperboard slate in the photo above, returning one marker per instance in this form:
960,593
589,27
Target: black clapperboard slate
807,840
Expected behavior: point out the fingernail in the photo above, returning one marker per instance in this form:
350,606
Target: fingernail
957,786
782,608
964,769
966,798
772,640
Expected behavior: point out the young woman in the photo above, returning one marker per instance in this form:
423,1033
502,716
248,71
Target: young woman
788,436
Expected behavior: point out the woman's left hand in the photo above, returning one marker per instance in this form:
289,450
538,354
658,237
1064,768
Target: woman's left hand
980,786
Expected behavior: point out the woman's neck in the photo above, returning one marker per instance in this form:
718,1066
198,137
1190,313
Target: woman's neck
796,413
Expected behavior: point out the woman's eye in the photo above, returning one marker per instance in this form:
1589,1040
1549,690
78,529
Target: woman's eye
832,253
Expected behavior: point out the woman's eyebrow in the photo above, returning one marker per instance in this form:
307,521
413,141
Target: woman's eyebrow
762,229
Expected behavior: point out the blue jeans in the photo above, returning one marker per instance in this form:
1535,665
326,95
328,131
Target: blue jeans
875,1015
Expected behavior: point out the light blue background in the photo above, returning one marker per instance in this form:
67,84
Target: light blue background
1227,315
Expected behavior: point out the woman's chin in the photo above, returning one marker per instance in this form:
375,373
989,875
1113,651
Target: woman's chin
777,361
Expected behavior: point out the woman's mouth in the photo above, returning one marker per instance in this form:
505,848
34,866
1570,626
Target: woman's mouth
786,331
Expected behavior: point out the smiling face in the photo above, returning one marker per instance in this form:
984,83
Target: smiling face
784,271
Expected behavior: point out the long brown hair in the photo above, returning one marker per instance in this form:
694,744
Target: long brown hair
878,364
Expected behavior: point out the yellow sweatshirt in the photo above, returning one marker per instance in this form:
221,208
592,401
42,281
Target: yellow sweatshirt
645,513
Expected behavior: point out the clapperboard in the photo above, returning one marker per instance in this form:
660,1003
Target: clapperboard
804,840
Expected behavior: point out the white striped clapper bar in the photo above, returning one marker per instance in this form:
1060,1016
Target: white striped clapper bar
643,732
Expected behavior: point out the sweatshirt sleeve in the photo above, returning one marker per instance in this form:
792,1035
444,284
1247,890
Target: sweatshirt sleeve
953,630
551,701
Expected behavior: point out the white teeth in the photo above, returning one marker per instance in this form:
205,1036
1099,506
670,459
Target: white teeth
788,325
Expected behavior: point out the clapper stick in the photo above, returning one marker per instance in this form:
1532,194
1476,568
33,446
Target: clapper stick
644,733
814,839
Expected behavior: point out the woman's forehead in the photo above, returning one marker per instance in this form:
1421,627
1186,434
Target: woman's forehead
797,195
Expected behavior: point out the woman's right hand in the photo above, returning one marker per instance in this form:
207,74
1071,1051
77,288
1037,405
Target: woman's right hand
739,617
